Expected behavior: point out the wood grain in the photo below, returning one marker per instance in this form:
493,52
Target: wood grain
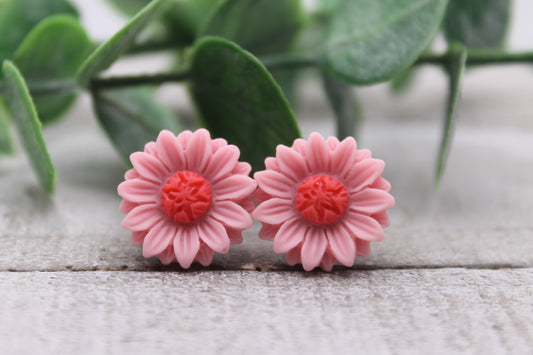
245,312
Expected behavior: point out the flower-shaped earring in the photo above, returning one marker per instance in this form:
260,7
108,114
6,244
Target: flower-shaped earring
322,201
187,197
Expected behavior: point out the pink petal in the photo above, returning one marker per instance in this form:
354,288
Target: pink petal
247,204
137,238
242,168
363,227
205,255
184,137
139,191
143,217
186,246
151,149
327,262
371,201
275,184
317,153
199,151
159,238
341,245
235,236
363,247
291,163
332,142
274,211
170,151
382,218
290,235
313,248
268,231
217,143
126,206
149,166
272,164
223,163
131,174
293,257
343,157
167,256
260,196
214,235
235,187
231,215
364,174
300,146
362,154
381,184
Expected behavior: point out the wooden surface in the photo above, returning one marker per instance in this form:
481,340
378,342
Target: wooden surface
453,275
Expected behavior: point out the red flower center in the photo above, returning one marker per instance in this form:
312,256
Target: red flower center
321,199
186,197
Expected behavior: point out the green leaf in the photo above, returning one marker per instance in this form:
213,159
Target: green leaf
131,118
260,26
328,6
240,101
347,109
456,65
185,17
18,17
53,51
110,50
129,7
403,80
6,144
28,125
370,41
479,24
181,18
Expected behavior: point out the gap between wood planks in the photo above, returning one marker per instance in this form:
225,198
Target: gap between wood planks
278,268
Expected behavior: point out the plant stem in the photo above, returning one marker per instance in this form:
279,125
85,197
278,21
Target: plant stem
148,79
152,46
51,87
479,57
282,61
289,61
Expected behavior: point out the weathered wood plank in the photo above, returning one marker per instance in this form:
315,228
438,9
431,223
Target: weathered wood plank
480,216
244,312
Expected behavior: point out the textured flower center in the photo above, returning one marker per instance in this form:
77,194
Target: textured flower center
321,199
186,197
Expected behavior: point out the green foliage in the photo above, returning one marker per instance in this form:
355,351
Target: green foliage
240,101
53,51
108,52
371,40
184,18
130,7
259,26
249,24
28,125
18,17
234,78
131,118
402,80
181,18
477,23
345,106
456,65
6,145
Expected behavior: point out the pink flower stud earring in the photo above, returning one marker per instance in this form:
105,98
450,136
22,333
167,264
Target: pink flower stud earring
187,197
322,201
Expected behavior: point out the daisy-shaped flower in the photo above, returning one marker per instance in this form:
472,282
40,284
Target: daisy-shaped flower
322,201
187,197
